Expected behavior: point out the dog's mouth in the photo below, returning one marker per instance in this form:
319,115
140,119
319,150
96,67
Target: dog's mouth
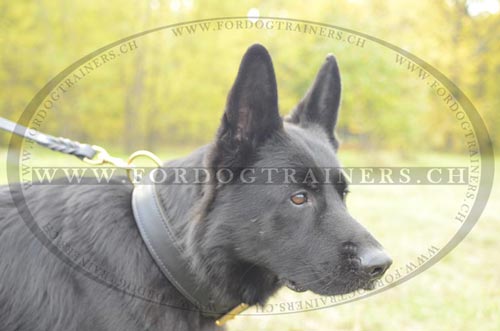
293,285
365,285
346,284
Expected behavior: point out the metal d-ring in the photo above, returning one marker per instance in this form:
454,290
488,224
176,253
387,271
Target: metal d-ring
138,154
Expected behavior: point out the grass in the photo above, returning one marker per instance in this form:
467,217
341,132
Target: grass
460,292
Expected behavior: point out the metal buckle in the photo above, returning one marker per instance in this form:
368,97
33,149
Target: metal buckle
231,314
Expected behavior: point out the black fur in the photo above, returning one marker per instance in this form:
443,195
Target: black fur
243,241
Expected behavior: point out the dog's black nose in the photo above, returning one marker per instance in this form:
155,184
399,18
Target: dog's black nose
374,262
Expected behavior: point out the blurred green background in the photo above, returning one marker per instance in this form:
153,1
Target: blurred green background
169,93
172,90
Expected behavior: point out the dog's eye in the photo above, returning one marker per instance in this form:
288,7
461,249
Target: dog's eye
299,198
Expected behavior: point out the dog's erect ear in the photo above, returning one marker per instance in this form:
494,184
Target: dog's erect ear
320,105
251,114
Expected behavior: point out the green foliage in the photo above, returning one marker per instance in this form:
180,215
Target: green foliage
171,90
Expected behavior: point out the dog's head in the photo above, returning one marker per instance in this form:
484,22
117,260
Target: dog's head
298,230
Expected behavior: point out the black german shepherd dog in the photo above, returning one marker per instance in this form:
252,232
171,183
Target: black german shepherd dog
244,242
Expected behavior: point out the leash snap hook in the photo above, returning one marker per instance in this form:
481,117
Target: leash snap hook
102,157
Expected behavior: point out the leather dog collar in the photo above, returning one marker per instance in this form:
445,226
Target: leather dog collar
159,237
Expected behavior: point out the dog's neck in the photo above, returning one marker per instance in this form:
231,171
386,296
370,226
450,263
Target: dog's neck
213,258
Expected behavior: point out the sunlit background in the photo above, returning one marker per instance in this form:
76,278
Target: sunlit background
168,94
